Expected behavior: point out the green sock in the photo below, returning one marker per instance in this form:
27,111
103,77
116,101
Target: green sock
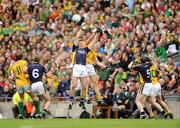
21,108
37,106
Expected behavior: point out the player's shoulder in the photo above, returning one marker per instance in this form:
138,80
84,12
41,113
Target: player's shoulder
22,62
32,65
153,67
40,65
92,51
147,65
17,63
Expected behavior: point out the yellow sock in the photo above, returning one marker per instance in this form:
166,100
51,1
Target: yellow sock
84,94
98,97
152,115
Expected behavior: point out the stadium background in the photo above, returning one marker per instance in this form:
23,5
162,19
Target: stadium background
57,35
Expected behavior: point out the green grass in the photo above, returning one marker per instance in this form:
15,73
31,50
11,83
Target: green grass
90,123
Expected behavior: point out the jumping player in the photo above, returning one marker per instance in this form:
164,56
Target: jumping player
91,58
79,68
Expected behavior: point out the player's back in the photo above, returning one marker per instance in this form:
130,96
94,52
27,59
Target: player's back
36,72
145,72
90,57
19,73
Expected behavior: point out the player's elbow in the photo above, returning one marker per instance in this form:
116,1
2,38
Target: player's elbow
48,74
26,75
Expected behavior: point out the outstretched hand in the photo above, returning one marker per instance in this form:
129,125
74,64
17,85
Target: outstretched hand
84,26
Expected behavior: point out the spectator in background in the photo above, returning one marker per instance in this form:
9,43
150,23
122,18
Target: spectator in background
7,92
160,51
172,46
63,87
122,103
146,27
105,3
104,73
119,76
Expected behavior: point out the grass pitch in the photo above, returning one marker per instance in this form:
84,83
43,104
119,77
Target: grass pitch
90,123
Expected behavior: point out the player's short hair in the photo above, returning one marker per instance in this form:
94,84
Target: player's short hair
19,55
144,59
36,59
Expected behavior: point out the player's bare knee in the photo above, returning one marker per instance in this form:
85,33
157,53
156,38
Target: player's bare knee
158,98
47,98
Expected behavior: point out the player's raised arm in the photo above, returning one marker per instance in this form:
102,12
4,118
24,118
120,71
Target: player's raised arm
89,40
95,38
76,38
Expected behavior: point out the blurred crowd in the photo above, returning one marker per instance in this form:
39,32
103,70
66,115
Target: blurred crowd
131,28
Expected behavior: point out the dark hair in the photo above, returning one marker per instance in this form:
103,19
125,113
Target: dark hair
145,59
19,55
36,59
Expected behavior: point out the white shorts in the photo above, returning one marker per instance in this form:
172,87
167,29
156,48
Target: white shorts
22,89
156,89
90,70
79,70
38,88
148,87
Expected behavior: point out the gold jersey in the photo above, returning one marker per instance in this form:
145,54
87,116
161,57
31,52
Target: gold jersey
90,57
141,79
153,71
73,57
19,74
